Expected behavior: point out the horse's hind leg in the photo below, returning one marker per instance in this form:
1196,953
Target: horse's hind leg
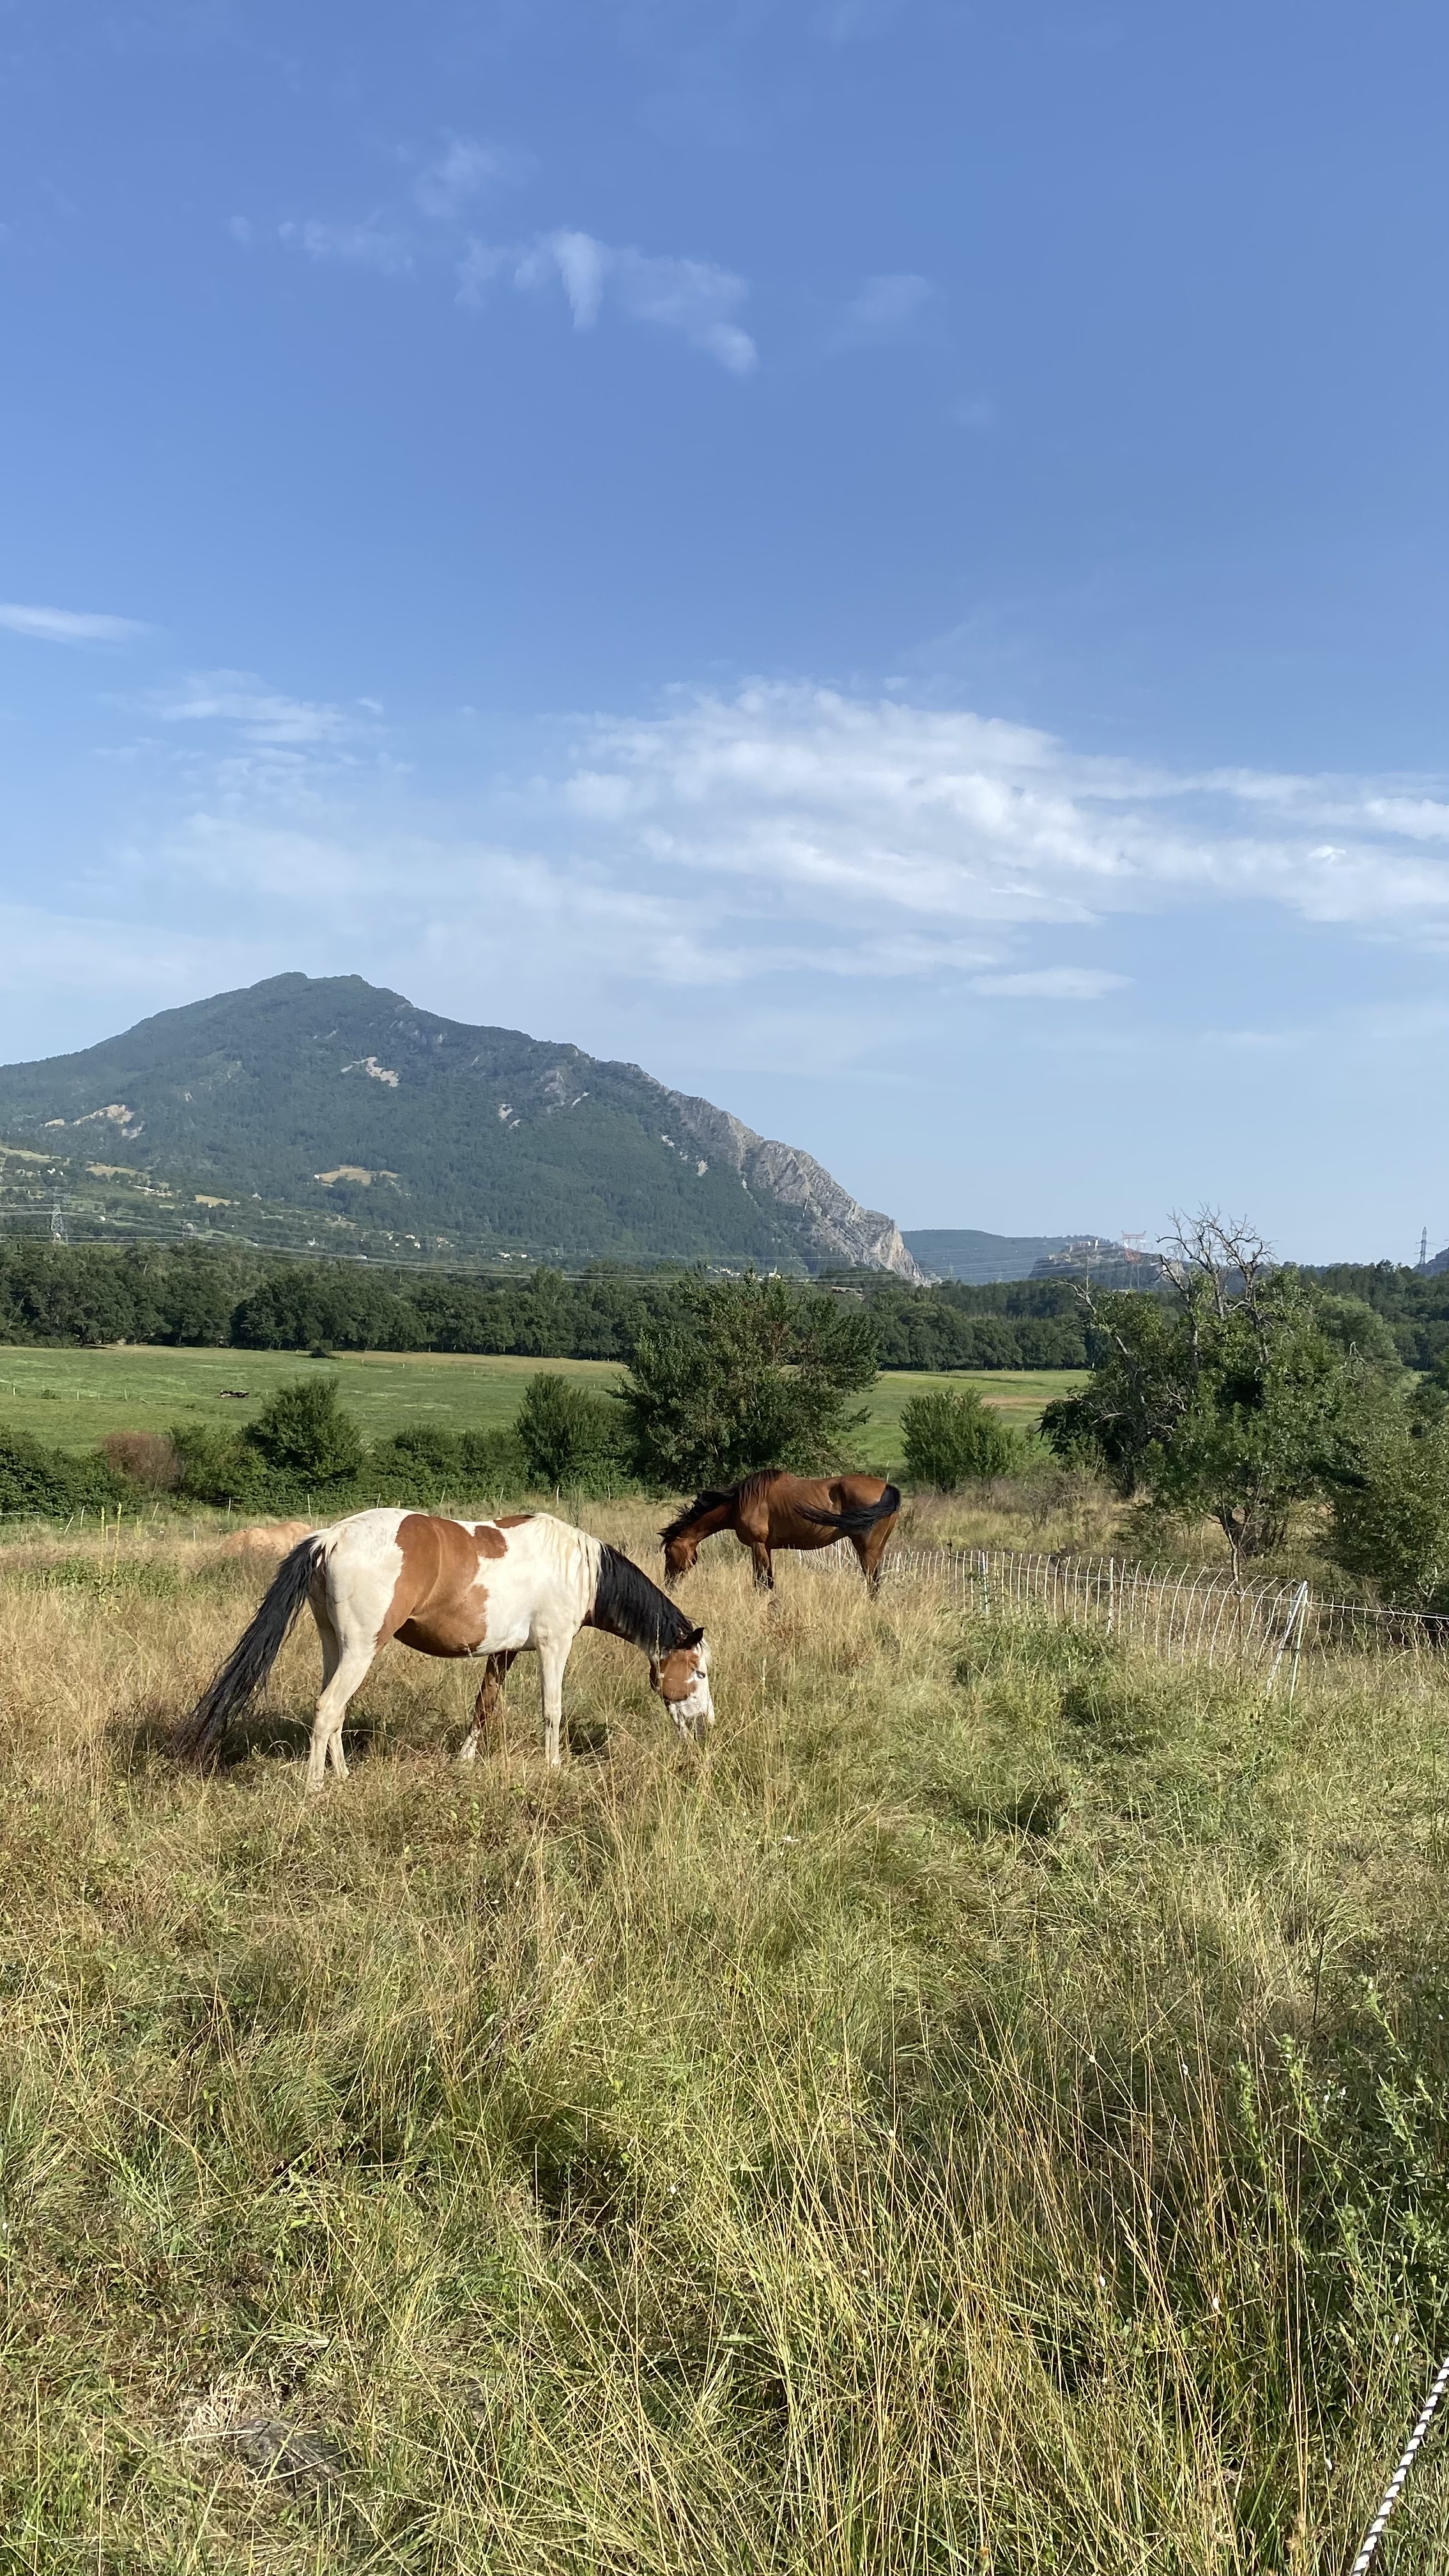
353,1663
487,1707
870,1549
764,1566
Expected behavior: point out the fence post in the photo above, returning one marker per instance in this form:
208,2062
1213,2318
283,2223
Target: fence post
1293,1628
1111,1593
985,1588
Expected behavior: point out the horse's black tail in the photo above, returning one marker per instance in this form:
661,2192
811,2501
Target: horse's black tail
860,1517
231,1691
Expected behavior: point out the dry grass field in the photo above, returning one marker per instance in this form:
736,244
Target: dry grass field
988,2112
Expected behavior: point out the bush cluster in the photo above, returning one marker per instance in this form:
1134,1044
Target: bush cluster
952,1439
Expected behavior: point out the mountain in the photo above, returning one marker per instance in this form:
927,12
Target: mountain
330,1115
961,1252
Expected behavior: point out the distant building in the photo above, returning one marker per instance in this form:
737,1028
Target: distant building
1105,1263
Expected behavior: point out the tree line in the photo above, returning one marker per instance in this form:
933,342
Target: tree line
200,1298
203,1298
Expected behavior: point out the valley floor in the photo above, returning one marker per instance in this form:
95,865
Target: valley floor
73,1398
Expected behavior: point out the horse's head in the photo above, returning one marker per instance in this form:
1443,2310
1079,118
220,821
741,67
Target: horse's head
682,1680
679,1557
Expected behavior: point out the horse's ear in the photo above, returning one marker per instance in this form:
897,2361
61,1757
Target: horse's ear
694,1638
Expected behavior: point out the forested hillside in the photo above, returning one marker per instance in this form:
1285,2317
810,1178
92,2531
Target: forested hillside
330,1115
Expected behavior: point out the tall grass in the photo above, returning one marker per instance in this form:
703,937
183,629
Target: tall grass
987,2112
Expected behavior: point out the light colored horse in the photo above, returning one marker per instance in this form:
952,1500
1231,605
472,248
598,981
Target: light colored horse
495,1589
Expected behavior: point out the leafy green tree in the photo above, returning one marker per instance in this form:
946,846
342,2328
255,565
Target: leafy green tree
1236,1395
570,1436
1391,1522
304,1436
745,1374
952,1438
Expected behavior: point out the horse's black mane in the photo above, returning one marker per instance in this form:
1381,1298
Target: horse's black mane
715,1495
628,1605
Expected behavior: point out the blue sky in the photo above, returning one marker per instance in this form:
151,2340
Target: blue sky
884,559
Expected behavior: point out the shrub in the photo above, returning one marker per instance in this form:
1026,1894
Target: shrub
304,1436
951,1439
424,1464
144,1458
570,1436
36,1479
1391,1527
218,1466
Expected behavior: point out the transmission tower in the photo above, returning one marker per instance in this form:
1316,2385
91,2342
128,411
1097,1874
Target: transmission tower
1424,1249
59,1233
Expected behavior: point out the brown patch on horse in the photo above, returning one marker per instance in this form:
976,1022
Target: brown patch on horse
438,1603
675,1676
513,1520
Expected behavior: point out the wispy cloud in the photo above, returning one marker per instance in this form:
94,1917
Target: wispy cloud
262,715
886,308
461,169
1052,984
370,244
782,838
69,625
691,296
904,810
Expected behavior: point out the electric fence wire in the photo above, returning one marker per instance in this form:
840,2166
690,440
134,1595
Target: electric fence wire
1395,2487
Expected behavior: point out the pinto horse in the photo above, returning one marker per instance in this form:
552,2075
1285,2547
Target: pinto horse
479,1588
774,1509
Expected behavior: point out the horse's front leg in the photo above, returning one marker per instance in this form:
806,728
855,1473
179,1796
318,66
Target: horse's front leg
764,1565
553,1655
488,1706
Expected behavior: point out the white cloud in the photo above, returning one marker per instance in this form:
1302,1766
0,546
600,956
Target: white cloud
785,838
69,625
264,715
691,296
366,245
885,309
581,265
897,810
463,167
1052,984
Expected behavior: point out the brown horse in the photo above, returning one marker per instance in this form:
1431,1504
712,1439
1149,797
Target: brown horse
774,1509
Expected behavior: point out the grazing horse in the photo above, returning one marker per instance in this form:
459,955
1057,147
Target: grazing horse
774,1509
490,1588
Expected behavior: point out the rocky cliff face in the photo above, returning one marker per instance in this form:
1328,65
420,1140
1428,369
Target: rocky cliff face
840,1230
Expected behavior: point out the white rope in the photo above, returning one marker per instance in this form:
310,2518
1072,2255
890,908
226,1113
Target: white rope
1375,2531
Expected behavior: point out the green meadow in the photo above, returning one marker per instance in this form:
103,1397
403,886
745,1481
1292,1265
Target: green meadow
72,1399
